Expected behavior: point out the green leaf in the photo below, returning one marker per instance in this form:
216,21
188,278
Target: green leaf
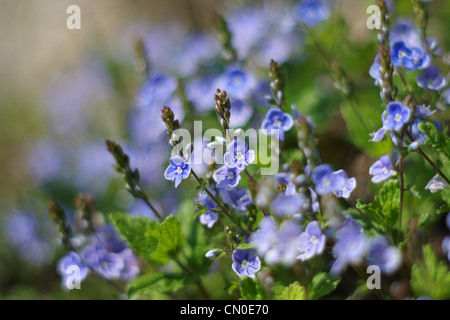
436,139
251,289
170,241
141,233
322,284
293,292
430,277
155,281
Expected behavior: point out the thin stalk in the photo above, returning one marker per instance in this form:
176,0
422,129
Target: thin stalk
402,188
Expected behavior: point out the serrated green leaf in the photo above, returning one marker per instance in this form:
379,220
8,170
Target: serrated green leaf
430,277
293,292
140,233
170,241
322,284
437,140
251,289
155,281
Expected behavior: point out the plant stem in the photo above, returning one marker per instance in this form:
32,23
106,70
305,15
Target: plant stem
402,188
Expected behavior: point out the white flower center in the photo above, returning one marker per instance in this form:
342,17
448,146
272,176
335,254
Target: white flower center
314,239
326,182
245,263
179,170
239,156
398,117
230,175
385,170
277,123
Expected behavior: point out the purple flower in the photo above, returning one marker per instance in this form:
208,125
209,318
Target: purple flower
411,58
66,263
277,121
226,177
177,170
241,112
237,82
436,184
347,188
423,112
396,116
375,68
245,263
209,218
238,155
131,267
350,245
381,254
110,239
196,92
265,236
326,180
238,198
379,135
287,180
106,264
382,169
446,246
288,205
431,79
311,242
311,12
157,88
284,249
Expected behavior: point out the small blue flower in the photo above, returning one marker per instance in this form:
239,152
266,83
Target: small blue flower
108,265
214,253
237,82
226,177
347,188
284,250
238,198
375,68
245,263
396,116
446,246
381,254
238,155
209,218
382,169
265,236
411,58
69,261
241,112
349,247
311,242
288,205
431,79
177,170
131,266
277,122
311,12
158,87
326,180
287,180
423,112
436,184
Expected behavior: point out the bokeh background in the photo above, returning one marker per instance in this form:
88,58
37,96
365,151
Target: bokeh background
63,92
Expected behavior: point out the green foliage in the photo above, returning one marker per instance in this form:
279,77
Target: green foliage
436,139
383,211
154,281
141,233
322,284
430,278
251,289
293,292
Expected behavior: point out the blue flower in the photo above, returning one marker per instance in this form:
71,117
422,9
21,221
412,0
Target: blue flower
177,170
237,82
241,112
245,263
157,88
431,79
266,235
396,116
375,69
382,169
446,246
311,242
226,177
349,247
411,58
423,112
238,155
326,180
381,254
209,218
196,92
284,249
436,184
288,205
72,259
131,266
347,188
277,121
311,12
287,180
238,198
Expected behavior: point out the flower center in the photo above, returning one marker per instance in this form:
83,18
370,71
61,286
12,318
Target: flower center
314,239
398,117
245,263
239,156
385,170
179,170
277,123
230,175
326,182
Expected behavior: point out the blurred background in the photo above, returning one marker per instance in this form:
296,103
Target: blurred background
63,92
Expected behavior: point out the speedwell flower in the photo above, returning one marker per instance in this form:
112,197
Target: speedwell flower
177,170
